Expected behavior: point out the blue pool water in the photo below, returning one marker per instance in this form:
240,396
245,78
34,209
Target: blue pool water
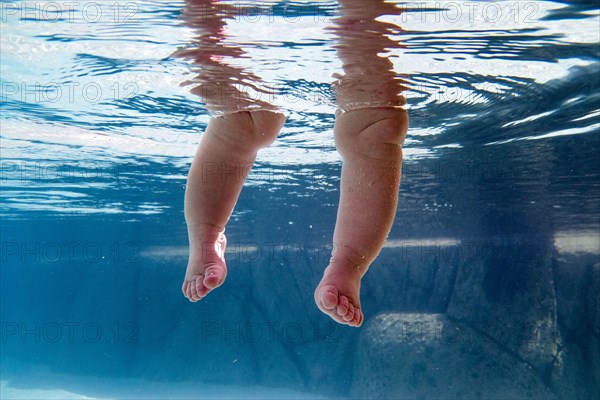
488,285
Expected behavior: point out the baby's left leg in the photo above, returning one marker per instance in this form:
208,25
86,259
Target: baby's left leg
370,142
223,160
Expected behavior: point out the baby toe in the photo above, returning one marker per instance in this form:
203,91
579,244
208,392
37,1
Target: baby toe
194,290
357,315
350,314
342,307
328,297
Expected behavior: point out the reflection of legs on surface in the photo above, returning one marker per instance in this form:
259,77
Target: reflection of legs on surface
370,143
223,160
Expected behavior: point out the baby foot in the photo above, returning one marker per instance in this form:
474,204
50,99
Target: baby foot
338,293
206,268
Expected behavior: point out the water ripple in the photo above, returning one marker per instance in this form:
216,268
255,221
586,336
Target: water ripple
108,91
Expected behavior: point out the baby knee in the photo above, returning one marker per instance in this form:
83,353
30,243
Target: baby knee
265,126
249,130
378,135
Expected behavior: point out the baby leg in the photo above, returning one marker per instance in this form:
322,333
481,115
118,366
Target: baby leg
223,160
370,143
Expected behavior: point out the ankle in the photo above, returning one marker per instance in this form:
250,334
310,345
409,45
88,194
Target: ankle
349,261
205,233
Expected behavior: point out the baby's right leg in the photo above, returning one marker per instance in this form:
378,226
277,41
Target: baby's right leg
223,160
